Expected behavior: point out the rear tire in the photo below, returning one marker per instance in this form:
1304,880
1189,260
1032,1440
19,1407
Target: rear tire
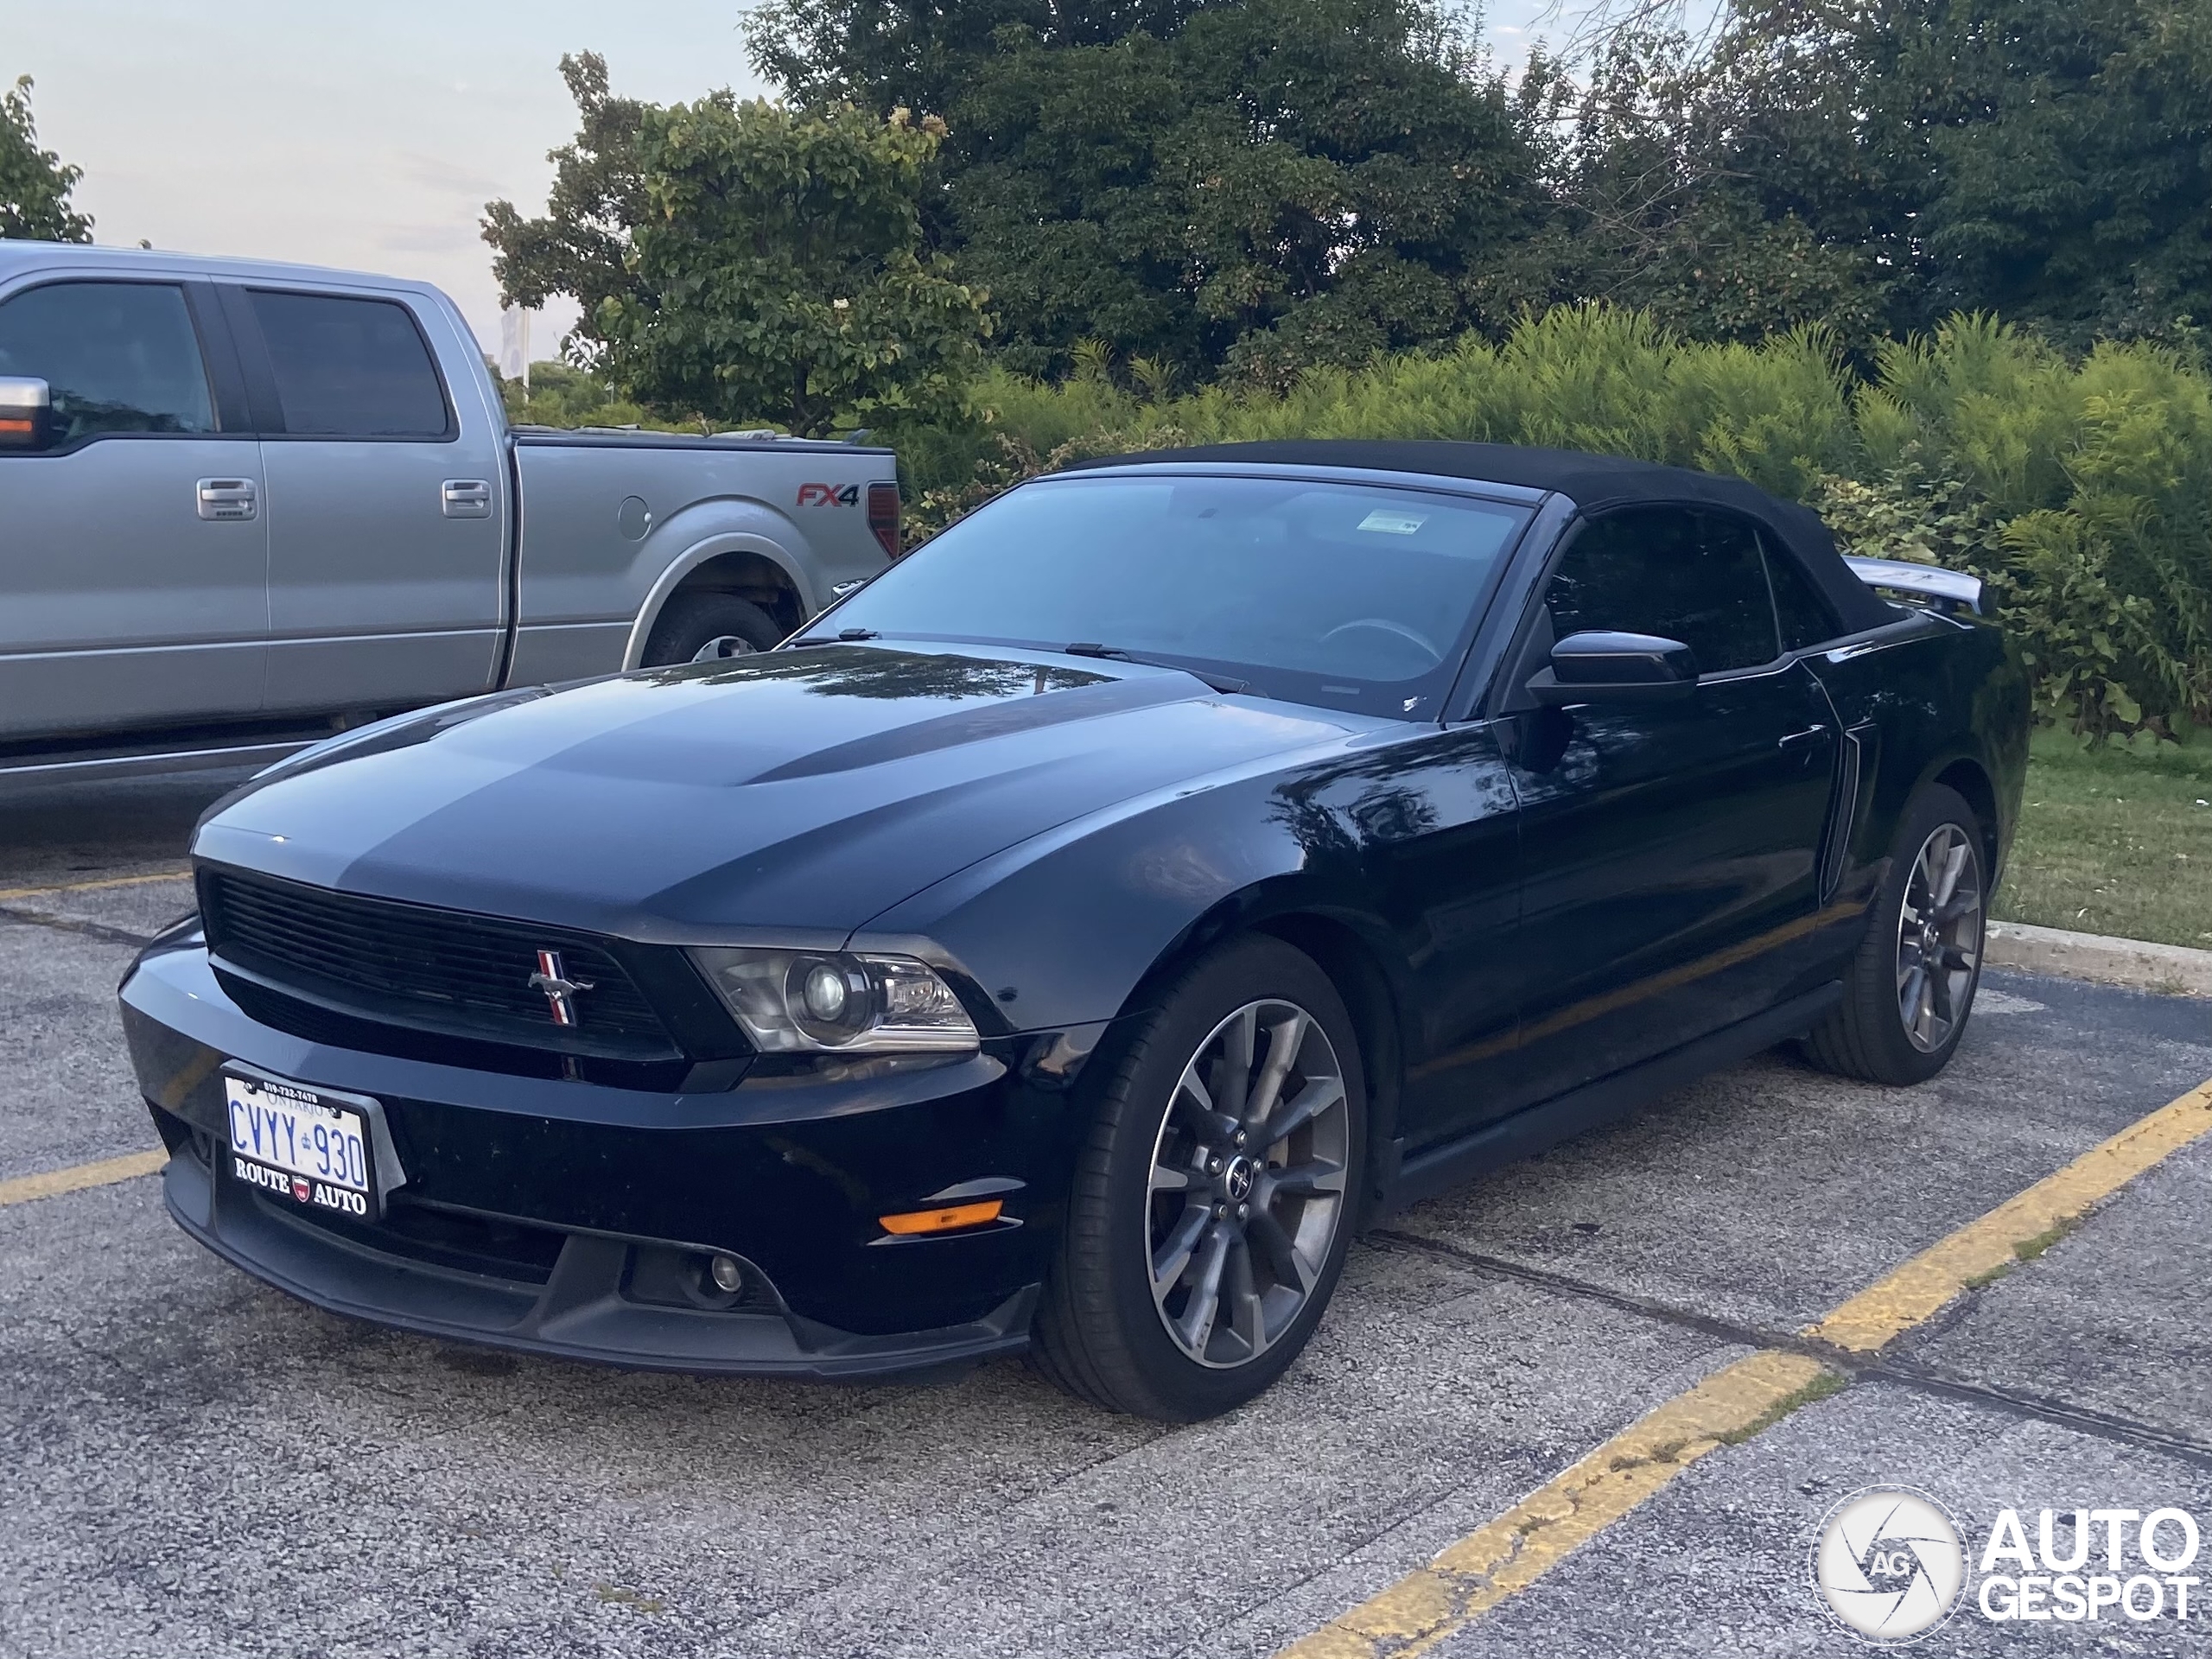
1200,1247
690,621
1910,986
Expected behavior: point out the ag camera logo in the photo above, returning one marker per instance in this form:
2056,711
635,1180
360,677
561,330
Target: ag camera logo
1890,1564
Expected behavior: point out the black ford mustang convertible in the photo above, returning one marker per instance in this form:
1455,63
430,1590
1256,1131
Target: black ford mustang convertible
1072,937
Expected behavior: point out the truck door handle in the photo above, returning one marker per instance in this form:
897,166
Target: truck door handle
227,499
1796,738
466,497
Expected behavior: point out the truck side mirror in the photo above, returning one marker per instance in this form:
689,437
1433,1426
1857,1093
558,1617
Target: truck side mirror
25,412
1598,666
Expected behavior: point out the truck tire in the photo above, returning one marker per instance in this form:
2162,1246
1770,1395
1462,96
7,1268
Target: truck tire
690,622
1909,990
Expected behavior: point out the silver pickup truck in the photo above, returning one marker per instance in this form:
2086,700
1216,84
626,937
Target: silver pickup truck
243,504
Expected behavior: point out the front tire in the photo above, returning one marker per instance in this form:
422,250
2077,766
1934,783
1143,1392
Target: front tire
1911,985
1212,1204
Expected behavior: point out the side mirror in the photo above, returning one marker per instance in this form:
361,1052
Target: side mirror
25,412
1604,667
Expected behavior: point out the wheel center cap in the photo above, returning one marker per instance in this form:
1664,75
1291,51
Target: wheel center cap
1236,1178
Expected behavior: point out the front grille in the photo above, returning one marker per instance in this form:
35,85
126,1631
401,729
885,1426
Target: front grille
417,966
288,1011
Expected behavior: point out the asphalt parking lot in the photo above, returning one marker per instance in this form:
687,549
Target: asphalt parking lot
191,1463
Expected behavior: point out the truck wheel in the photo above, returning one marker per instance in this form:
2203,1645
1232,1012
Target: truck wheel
1909,989
691,622
1212,1202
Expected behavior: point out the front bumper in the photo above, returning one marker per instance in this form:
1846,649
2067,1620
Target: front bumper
568,1218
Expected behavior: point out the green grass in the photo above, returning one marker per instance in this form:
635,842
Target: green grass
1826,1384
2114,840
2029,1249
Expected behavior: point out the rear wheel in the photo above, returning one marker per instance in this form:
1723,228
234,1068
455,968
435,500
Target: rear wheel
1212,1206
1911,985
691,624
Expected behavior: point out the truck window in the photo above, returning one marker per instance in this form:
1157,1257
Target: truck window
349,368
118,357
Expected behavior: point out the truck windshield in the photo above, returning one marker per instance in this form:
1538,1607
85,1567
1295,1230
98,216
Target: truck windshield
1351,595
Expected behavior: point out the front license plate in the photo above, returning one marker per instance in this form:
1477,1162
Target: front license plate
300,1145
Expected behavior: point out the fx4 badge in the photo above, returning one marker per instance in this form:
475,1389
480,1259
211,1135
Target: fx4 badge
828,495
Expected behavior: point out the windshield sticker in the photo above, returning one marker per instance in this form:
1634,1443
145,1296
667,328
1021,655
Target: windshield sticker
1386,522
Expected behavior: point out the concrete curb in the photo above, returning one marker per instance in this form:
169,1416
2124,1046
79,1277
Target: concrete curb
2170,969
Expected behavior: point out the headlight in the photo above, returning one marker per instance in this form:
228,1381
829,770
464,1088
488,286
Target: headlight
818,999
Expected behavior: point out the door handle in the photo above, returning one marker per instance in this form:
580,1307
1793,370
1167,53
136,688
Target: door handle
228,500
1805,736
465,497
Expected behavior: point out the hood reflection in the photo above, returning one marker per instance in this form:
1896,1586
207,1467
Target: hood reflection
883,673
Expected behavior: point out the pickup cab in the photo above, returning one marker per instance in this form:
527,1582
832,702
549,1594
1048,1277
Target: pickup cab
243,505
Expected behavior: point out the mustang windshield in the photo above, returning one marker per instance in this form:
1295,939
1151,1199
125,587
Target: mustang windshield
1353,596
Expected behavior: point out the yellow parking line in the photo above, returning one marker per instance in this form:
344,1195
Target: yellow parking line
106,1173
1512,1552
7,894
2011,1232
1517,1549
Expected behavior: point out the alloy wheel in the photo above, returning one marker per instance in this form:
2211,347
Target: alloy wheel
1247,1188
1939,937
723,646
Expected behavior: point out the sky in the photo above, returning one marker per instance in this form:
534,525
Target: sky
367,137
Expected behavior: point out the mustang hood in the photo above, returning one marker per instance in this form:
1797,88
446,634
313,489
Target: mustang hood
799,791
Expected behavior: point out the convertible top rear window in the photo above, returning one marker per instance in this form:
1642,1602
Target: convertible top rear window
1343,594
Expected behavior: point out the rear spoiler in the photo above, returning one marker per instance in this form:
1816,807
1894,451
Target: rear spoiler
1952,591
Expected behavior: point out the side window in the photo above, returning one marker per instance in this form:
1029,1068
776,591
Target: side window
1804,615
119,357
349,368
1673,573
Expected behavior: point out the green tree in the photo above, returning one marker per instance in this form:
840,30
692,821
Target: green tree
1875,165
2071,151
2050,161
1660,197
1358,181
920,54
35,183
777,270
577,246
1265,184
1050,201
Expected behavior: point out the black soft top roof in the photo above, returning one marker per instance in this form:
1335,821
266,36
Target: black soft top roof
1595,484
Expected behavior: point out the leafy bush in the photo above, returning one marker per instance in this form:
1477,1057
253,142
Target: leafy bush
560,394
2081,492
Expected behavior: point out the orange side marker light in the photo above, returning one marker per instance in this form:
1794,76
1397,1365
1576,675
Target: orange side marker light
944,1220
